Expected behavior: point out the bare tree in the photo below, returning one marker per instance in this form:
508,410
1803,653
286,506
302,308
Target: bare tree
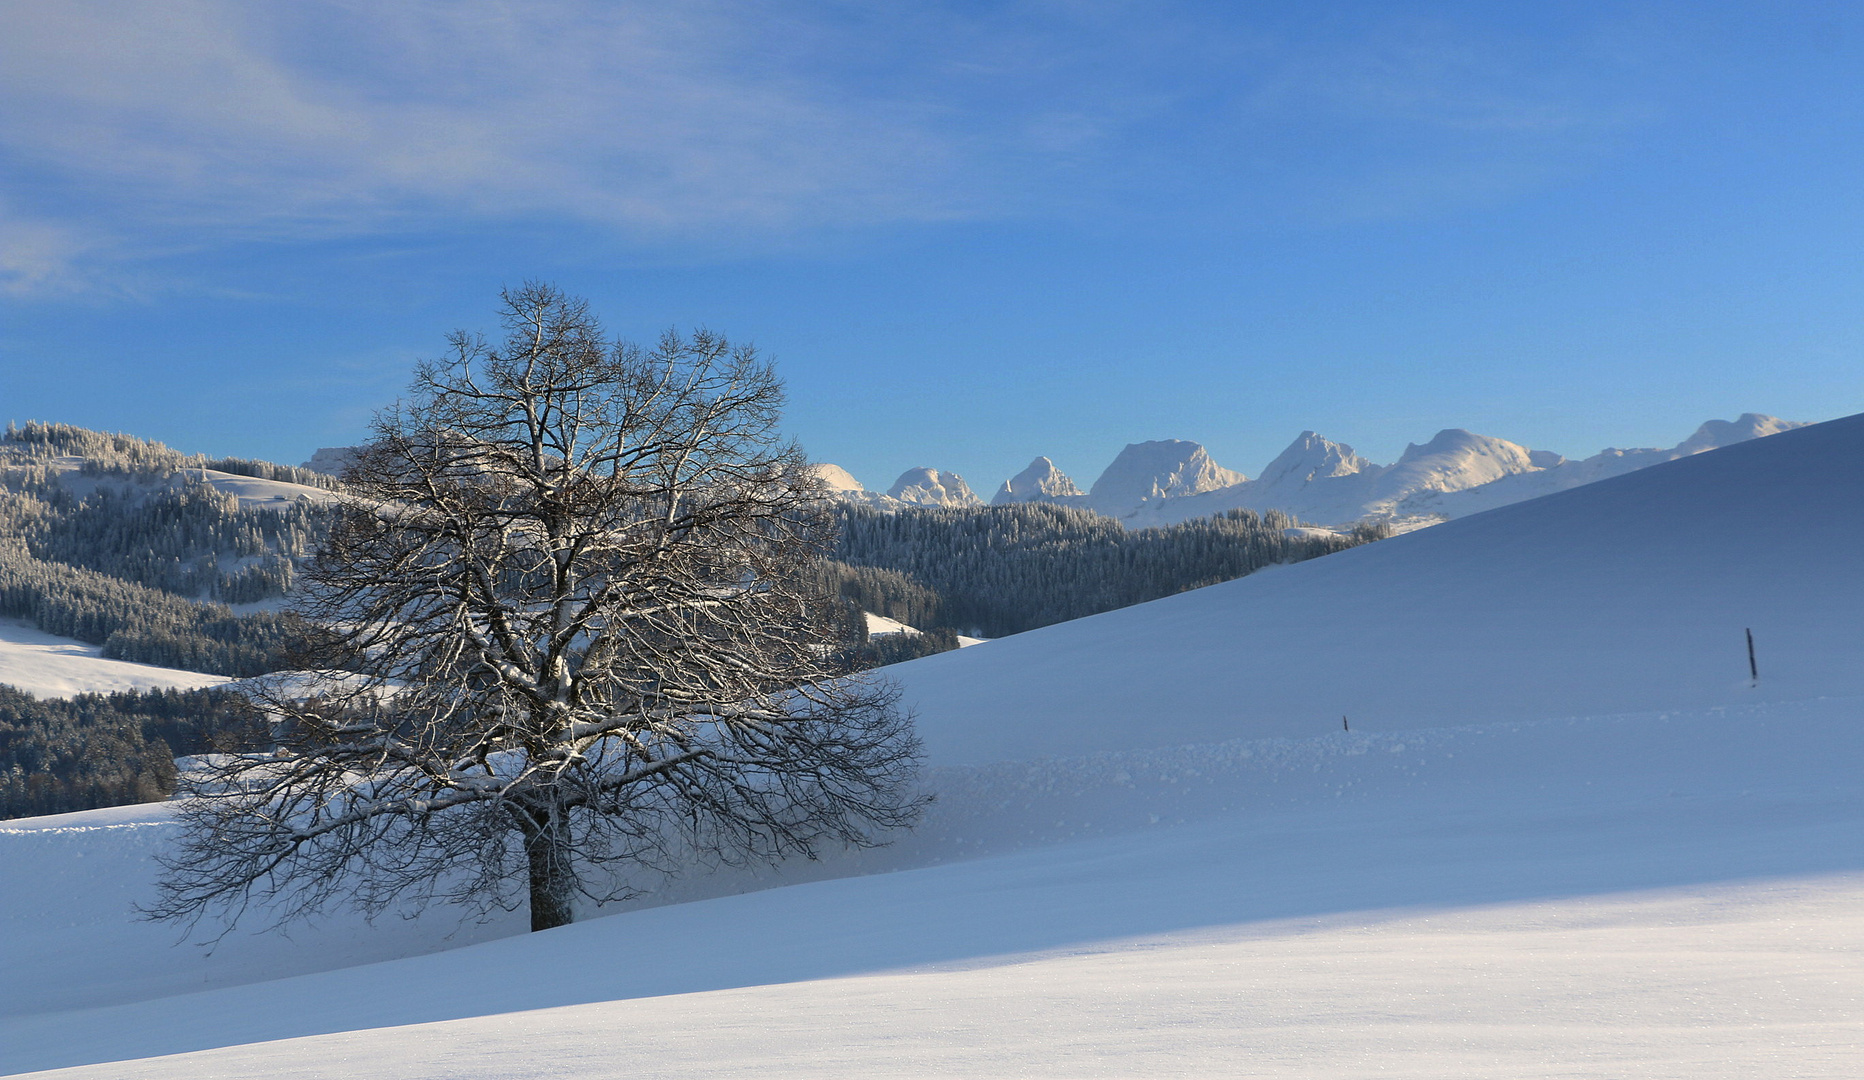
575,635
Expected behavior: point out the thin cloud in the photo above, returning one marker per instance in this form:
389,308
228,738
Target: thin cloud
209,121
348,116
39,258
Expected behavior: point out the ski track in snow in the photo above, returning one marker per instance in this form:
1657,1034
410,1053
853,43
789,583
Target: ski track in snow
1564,838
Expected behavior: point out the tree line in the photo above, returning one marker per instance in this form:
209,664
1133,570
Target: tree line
137,623
135,513
999,570
108,749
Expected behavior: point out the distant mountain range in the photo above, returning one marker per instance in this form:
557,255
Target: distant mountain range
1454,474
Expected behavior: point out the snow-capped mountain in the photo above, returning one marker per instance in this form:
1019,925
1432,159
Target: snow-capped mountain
1322,481
1562,474
838,479
1455,474
1154,471
332,460
1311,458
931,487
1040,482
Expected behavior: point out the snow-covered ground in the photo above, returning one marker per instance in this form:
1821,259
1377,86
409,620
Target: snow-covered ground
254,492
881,626
251,491
47,666
1631,594
1563,837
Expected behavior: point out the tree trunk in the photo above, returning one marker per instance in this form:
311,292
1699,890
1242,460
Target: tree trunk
553,880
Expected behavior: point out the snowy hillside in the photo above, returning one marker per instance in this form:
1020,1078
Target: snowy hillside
1628,594
48,666
1676,895
255,492
1563,836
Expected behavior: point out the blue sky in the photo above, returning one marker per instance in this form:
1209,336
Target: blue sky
969,233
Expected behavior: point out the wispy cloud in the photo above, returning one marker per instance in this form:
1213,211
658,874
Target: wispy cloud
39,258
208,120
337,114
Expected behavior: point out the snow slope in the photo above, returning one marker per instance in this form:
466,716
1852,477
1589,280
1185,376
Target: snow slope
47,666
251,491
254,492
1660,895
1562,837
1629,594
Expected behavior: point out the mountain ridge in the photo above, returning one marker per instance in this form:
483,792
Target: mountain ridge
1455,473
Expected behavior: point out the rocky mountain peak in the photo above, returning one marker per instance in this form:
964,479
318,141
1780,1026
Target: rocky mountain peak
1040,482
931,487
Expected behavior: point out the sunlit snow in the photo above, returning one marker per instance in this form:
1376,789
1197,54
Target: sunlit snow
47,666
1494,799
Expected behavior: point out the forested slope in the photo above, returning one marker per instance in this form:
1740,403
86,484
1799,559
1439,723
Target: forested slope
1000,570
105,749
125,543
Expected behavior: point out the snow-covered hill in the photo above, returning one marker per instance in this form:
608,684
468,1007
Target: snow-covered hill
1564,835
252,492
1677,895
47,666
1628,594
256,492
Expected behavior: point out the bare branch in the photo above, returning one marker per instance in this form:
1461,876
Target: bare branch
568,591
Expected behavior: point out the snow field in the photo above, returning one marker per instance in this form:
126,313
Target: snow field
1731,982
1628,595
1564,837
47,666
1471,890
